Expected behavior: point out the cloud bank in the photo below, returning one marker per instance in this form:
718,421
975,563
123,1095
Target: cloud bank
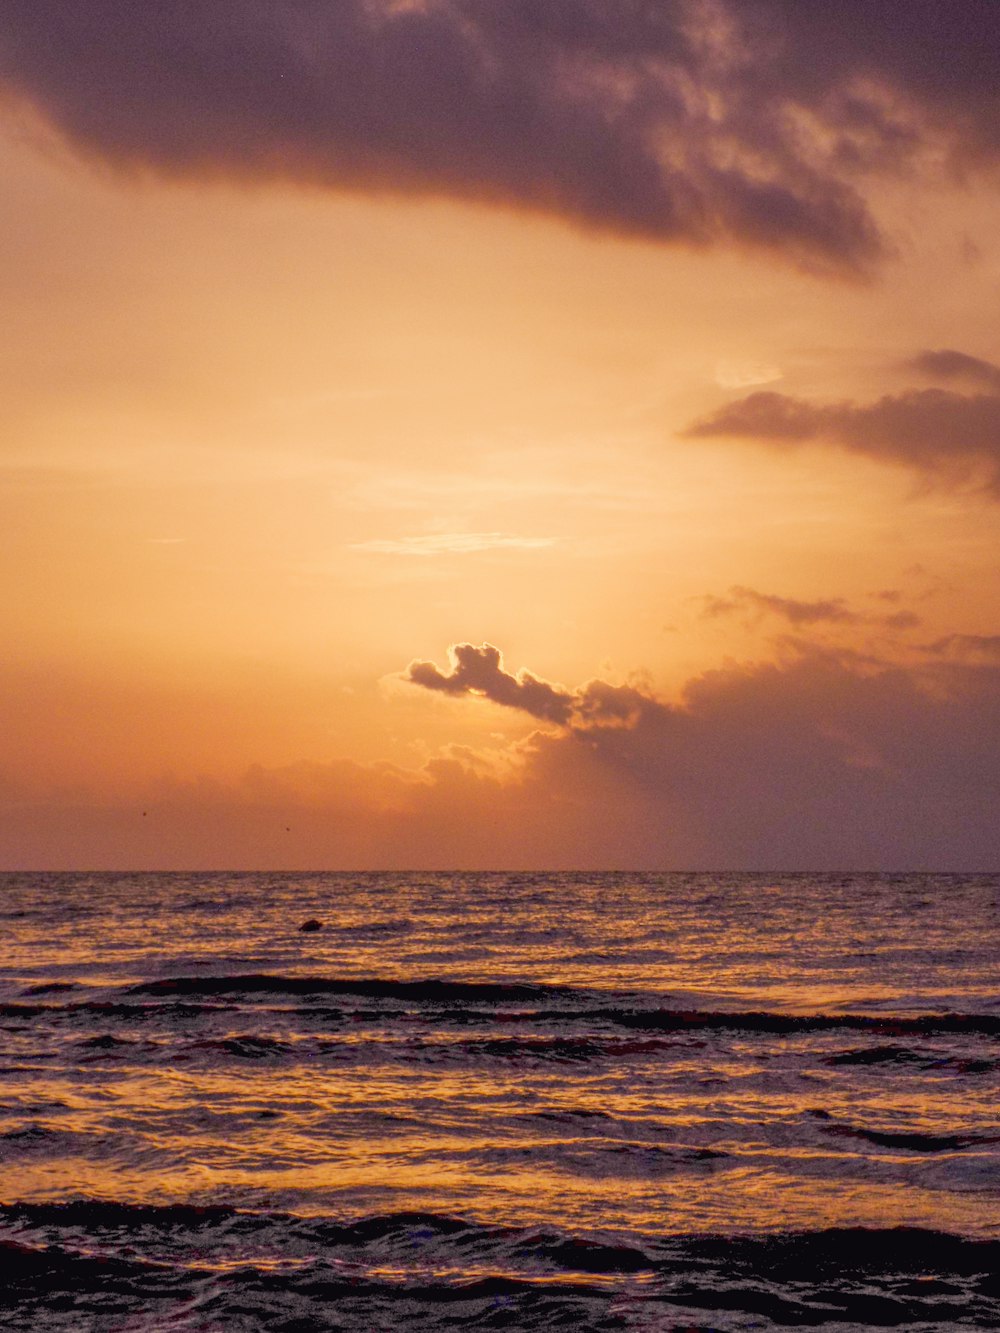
761,122
824,760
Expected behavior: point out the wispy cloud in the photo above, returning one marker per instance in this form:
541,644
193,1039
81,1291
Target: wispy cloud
745,374
831,610
967,647
800,614
453,543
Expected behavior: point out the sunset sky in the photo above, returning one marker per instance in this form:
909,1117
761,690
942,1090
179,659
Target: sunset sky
500,433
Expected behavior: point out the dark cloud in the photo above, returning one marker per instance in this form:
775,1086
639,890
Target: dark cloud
825,759
944,435
818,761
480,671
700,121
947,364
940,59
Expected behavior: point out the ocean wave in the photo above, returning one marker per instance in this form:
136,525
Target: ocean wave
780,1024
513,1001
432,990
913,1140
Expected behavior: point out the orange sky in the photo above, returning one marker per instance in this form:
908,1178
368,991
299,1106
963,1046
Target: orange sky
276,427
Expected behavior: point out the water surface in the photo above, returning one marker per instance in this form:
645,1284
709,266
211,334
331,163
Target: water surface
608,1101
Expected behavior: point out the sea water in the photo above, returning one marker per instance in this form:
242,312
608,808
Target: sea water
519,1101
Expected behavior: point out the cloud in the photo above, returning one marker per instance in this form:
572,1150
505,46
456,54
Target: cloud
760,122
453,543
967,647
480,671
800,614
743,374
821,761
947,364
825,611
944,435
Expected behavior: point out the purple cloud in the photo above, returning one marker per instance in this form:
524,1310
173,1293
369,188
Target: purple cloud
937,432
948,364
758,122
831,610
480,671
798,613
823,760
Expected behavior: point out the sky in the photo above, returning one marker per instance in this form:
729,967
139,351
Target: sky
460,434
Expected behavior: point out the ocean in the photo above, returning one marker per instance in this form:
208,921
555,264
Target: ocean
499,1101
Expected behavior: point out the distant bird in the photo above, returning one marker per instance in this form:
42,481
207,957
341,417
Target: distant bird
311,925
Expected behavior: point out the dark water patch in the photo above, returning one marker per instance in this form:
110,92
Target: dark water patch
429,1271
682,1020
244,1047
864,1277
878,1055
601,1159
414,1226
105,1041
138,1013
561,1283
346,1304
60,1269
29,1135
578,1254
560,1049
326,1014
50,988
569,1049
960,1066
817,1255
107,1215
913,1140
568,1115
433,990
40,1140
25,1011
903,1056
